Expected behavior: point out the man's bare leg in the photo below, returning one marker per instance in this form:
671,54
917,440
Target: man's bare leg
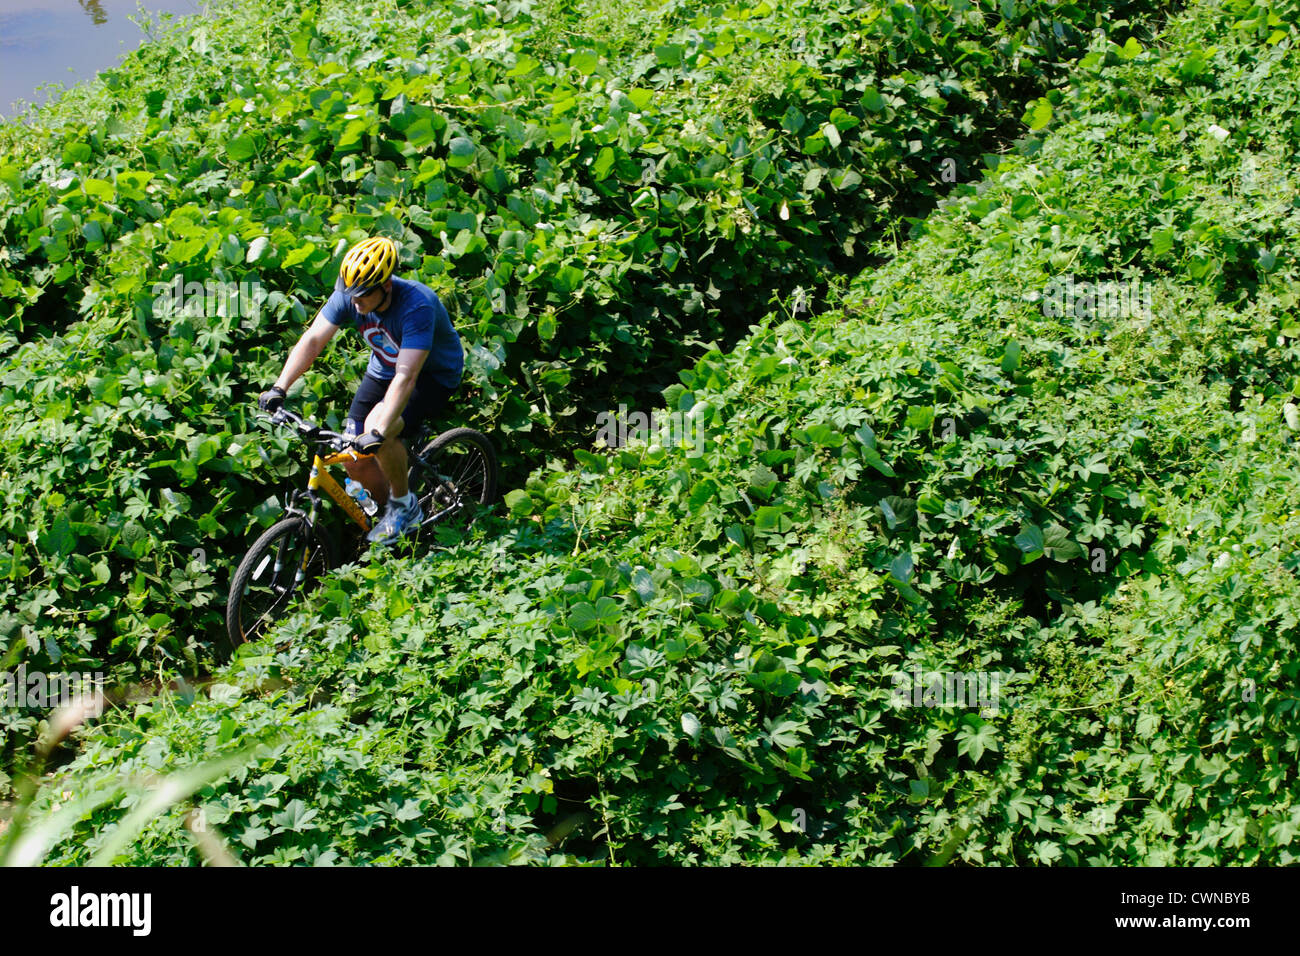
391,456
371,477
392,460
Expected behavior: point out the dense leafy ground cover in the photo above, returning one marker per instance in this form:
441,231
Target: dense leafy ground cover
596,189
940,473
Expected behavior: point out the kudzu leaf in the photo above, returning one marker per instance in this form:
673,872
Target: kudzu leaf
1039,114
523,66
872,458
920,417
691,725
1162,241
300,254
1011,357
901,567
241,148
887,510
644,585
585,62
583,617
1030,539
519,502
256,248
460,152
1056,539
421,133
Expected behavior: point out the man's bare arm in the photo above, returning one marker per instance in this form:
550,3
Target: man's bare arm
409,363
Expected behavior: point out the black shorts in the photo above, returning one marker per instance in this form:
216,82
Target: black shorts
427,402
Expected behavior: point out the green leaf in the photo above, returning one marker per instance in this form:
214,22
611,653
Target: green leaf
460,152
1011,357
241,148
770,674
1057,543
568,278
131,184
523,66
886,509
546,326
295,818
421,133
1162,241
691,725
1291,414
872,458
75,153
519,502
256,249
603,164
640,97
772,518
1030,539
644,585
920,417
669,54
901,567
300,254
783,734
59,540
585,62
1038,115
974,740
174,788
583,617
98,189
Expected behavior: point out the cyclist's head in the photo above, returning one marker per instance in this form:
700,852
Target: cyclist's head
368,264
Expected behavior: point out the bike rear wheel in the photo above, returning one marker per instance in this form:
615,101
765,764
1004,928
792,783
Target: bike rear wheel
454,477
288,557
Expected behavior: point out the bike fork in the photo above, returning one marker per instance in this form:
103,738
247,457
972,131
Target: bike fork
301,574
282,554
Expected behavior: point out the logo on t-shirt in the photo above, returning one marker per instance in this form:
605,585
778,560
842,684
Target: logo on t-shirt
381,342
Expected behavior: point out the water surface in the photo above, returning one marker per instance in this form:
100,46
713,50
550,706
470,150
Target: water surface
66,41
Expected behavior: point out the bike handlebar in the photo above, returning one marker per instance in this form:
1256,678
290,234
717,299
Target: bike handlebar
310,431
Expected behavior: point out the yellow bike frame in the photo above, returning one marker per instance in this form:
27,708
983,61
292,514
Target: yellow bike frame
321,480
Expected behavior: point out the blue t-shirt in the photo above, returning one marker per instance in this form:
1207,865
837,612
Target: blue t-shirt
415,319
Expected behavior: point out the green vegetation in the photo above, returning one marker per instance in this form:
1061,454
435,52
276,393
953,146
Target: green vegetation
595,205
697,655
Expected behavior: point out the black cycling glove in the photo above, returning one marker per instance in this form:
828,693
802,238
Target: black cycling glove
272,399
368,443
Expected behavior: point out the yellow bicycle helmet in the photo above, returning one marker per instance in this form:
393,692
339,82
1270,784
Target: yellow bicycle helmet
368,264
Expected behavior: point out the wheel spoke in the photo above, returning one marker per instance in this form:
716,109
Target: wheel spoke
455,480
279,566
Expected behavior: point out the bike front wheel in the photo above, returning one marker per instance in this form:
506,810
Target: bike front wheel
288,557
454,477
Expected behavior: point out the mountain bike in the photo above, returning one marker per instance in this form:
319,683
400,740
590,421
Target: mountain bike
453,475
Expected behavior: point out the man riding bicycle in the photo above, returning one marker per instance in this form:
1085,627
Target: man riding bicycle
416,362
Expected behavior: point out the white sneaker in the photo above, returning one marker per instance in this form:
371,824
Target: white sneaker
398,520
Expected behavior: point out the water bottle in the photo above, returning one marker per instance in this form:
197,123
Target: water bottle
358,491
